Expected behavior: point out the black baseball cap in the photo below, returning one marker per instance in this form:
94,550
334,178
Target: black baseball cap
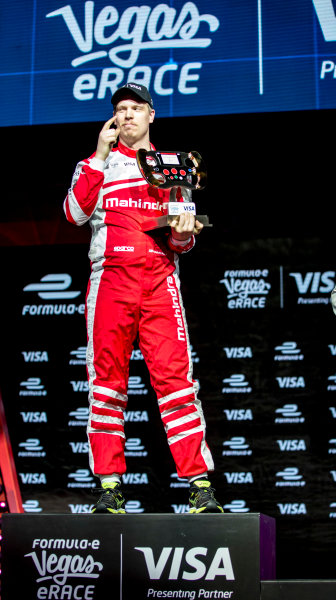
135,88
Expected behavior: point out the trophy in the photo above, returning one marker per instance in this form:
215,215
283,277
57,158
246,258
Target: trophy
181,172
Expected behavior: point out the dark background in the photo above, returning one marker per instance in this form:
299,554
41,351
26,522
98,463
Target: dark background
270,197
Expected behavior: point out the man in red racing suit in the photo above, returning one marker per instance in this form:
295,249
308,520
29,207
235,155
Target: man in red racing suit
134,290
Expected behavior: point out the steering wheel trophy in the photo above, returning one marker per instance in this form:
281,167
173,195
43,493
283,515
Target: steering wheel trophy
184,171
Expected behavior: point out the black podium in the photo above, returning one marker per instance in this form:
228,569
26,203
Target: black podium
135,557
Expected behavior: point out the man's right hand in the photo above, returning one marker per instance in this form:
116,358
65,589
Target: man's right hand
107,138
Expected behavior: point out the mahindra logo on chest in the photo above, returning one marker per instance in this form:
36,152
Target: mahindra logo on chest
191,565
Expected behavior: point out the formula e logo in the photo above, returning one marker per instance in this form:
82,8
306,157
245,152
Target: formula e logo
134,506
295,508
136,387
332,385
79,417
134,447
289,413
237,506
220,564
236,384
332,448
32,387
81,478
79,356
31,448
32,506
288,351
290,477
314,283
237,446
52,287
178,482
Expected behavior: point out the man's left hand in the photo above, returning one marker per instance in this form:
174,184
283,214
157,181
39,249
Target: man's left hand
184,226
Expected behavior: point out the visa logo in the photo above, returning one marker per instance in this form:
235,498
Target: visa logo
295,508
238,414
291,382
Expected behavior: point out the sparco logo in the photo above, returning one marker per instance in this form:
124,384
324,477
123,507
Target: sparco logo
246,289
203,565
313,283
53,287
120,38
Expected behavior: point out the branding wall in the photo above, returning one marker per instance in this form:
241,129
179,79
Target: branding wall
264,350
61,62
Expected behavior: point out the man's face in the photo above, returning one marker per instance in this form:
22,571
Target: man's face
133,119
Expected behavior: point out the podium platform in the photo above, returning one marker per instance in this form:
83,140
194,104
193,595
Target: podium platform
135,557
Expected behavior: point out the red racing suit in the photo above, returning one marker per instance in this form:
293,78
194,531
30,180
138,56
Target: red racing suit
134,290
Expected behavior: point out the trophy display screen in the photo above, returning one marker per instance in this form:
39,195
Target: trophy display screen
170,159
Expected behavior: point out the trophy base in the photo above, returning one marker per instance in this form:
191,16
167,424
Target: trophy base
165,220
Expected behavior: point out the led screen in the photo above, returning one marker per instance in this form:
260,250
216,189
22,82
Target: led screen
61,62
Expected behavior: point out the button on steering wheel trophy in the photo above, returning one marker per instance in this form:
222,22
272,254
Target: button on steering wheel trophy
184,171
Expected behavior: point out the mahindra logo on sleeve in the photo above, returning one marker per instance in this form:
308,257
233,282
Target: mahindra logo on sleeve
123,39
192,564
312,284
288,351
289,413
246,288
